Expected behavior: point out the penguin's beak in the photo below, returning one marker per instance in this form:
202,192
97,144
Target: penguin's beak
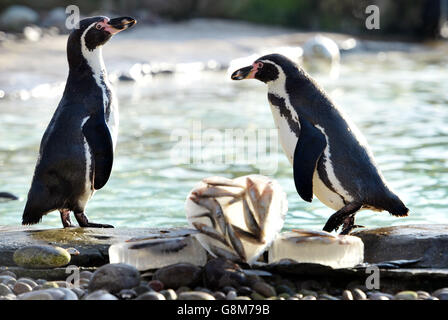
244,73
116,25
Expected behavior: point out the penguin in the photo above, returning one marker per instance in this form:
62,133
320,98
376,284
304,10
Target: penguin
330,157
77,149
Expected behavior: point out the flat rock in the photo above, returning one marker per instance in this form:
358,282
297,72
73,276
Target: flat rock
41,256
92,243
428,242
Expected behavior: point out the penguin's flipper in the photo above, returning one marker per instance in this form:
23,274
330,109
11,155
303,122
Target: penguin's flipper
100,142
308,150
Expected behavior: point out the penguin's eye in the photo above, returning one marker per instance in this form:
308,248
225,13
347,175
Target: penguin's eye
259,65
98,27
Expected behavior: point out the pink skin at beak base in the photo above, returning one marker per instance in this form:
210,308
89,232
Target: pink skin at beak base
108,27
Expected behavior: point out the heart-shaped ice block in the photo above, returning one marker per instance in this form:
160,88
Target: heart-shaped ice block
238,219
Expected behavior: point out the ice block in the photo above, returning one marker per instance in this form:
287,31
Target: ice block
336,251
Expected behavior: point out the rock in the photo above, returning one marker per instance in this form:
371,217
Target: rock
347,295
309,298
8,273
85,275
152,295
156,285
56,18
358,294
231,295
257,296
264,289
8,280
36,295
443,292
378,296
284,295
21,287
406,242
284,289
67,293
178,275
219,295
127,294
169,294
243,298
14,297
16,17
79,292
41,256
406,295
327,297
50,285
5,290
195,295
100,295
244,291
423,294
28,281
32,33
219,273
141,289
114,278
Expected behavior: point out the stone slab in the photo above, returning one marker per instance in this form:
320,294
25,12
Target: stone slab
428,242
92,243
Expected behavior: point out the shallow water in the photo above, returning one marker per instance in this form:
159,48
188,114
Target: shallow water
398,100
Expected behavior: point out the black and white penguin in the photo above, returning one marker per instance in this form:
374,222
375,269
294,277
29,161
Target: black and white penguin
330,157
77,149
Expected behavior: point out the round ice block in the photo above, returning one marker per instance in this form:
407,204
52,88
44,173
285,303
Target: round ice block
336,251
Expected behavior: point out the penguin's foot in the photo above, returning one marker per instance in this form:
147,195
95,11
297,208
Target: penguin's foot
84,222
349,225
339,217
65,218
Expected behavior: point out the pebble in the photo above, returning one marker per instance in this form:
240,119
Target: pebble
309,298
68,294
100,295
21,287
169,294
264,289
40,281
50,285
182,289
306,292
244,291
311,285
86,275
347,295
195,295
358,294
178,275
285,289
219,295
226,289
5,290
41,257
36,295
441,294
231,295
7,280
327,297
151,295
423,295
114,278
8,273
28,281
127,294
220,272
284,295
156,285
406,295
242,298
79,292
257,296
141,289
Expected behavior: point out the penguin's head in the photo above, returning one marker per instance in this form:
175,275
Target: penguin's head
92,34
268,69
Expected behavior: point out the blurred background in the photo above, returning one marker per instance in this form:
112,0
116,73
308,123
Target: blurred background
171,74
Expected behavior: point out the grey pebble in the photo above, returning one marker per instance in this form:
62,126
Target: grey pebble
327,297
36,295
219,295
358,294
231,295
7,280
127,294
264,289
79,292
242,298
309,298
4,290
441,294
21,287
141,289
406,295
114,278
85,275
28,281
195,295
8,273
347,295
100,295
169,294
151,295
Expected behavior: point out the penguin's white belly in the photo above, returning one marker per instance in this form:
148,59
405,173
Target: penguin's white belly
288,141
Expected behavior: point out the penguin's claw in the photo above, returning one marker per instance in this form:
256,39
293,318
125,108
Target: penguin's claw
84,222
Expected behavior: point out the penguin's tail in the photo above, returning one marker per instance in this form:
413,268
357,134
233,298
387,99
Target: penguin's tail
395,206
31,215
